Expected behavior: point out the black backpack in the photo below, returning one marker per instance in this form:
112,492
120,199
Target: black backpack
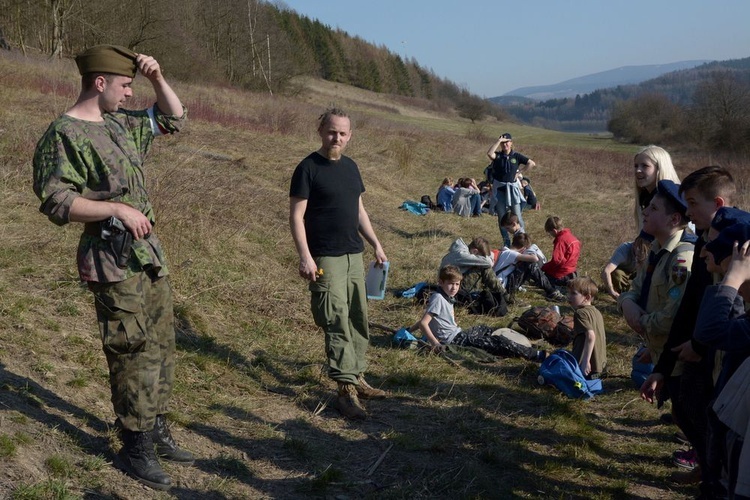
426,200
489,303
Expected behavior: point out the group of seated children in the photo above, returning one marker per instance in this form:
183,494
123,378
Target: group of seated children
521,260
697,333
439,328
468,268
467,198
463,198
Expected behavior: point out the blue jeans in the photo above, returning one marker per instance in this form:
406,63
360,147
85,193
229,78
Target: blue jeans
476,204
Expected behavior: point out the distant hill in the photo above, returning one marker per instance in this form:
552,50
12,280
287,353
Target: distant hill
590,111
624,75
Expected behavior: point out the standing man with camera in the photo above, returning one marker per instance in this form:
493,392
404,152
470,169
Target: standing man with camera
327,216
88,168
507,190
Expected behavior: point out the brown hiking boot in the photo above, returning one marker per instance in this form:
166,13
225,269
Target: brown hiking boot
688,477
366,391
348,402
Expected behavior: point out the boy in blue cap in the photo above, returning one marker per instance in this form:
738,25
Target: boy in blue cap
650,305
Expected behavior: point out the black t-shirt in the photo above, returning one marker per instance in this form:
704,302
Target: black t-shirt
332,190
505,167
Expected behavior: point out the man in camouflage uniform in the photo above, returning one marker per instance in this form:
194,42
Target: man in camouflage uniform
88,168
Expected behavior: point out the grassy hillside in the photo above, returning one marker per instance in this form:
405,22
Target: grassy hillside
252,400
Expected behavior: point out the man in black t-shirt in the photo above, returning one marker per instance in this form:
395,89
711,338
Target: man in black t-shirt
327,216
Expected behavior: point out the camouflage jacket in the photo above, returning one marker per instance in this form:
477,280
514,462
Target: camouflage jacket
102,161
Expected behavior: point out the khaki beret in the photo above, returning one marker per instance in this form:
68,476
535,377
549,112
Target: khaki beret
107,59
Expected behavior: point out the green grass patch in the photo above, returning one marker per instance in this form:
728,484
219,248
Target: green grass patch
7,446
80,380
59,466
53,489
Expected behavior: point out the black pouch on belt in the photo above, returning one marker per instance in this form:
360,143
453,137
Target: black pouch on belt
119,238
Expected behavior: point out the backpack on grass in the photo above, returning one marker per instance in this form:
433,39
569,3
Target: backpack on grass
426,200
538,322
488,303
561,370
562,335
544,322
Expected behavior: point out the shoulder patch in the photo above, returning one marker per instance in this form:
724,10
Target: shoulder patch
679,272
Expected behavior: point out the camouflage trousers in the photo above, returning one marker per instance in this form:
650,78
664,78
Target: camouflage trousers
339,307
136,323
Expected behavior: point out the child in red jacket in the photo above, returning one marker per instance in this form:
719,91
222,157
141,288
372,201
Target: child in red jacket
566,249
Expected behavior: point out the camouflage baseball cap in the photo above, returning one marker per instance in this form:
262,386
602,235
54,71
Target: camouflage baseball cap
107,59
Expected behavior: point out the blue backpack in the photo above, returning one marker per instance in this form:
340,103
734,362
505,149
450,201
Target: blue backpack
561,370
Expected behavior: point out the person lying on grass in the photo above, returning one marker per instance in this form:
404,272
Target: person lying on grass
439,328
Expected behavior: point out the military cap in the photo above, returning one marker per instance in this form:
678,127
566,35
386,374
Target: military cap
107,59
721,246
729,216
671,190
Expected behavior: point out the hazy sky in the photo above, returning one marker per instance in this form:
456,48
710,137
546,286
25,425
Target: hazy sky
495,46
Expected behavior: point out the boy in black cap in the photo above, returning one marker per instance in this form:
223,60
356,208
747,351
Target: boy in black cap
718,255
650,305
723,325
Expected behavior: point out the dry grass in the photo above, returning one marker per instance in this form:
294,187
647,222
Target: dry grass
251,399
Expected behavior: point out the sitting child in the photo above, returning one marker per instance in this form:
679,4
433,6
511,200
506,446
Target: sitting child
485,192
566,249
531,201
520,263
475,264
510,225
589,339
466,200
439,328
444,196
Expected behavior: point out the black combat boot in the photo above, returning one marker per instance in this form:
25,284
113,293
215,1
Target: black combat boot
138,457
166,447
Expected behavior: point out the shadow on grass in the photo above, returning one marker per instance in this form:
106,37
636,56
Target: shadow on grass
481,451
27,397
426,422
427,233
